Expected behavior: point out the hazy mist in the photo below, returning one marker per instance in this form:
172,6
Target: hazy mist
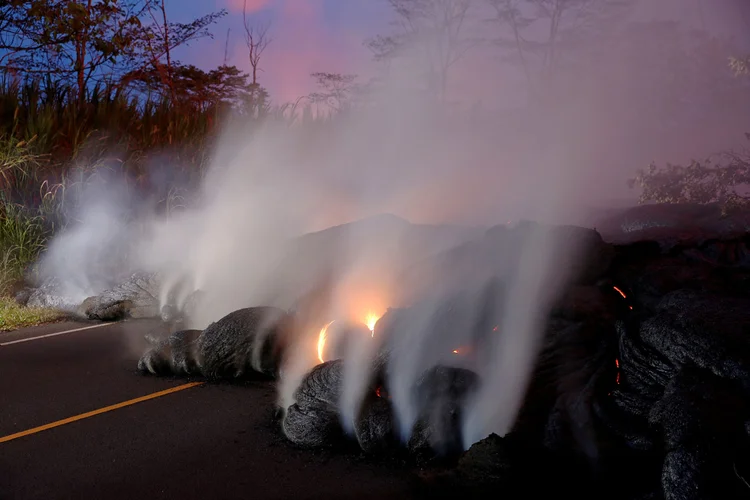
547,138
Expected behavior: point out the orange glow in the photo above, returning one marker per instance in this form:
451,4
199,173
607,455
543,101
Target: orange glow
620,292
322,341
455,351
370,321
617,365
377,392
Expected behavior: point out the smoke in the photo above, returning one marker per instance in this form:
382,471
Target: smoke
268,225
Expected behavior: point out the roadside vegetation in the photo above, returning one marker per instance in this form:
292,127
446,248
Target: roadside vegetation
91,91
13,316
124,103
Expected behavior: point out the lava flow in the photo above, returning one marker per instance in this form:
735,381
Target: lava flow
617,365
370,321
623,295
322,341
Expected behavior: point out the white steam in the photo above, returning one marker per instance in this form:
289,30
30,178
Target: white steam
240,241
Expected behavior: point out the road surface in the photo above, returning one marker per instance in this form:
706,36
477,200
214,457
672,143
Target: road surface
72,426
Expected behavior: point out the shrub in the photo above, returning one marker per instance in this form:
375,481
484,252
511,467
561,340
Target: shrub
723,179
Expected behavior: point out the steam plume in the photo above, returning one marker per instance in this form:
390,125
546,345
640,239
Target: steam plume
240,242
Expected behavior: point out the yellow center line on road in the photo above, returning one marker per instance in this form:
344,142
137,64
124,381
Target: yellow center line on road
52,425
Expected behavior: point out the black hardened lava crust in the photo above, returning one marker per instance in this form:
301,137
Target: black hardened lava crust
641,389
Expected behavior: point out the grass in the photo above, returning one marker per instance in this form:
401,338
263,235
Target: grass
14,316
22,237
52,146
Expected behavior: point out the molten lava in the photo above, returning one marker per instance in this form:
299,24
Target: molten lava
623,295
370,321
455,351
322,341
617,365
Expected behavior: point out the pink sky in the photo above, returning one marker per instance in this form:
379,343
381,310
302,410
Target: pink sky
327,35
308,36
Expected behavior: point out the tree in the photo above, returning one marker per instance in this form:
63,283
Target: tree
433,31
256,40
543,35
722,180
335,90
160,37
740,65
78,40
85,42
194,88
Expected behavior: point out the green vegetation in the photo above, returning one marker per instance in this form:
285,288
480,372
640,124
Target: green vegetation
22,236
13,316
51,144
105,94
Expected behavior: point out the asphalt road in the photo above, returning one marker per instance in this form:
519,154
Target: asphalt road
206,441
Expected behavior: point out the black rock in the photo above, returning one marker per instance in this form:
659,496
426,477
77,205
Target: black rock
486,464
440,394
135,298
374,427
176,354
52,294
313,419
245,342
702,417
640,390
249,339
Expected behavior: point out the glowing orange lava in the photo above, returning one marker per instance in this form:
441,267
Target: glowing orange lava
620,292
322,341
455,351
370,321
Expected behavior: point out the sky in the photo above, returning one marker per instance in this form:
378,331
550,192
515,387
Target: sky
328,35
307,36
